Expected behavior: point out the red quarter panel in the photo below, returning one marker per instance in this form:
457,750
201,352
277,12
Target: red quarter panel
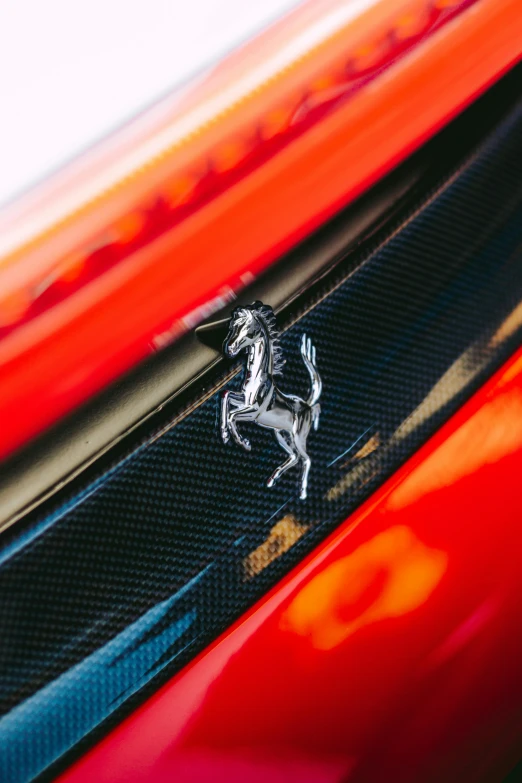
391,654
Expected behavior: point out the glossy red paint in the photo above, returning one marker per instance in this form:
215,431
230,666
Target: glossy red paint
391,654
317,91
106,262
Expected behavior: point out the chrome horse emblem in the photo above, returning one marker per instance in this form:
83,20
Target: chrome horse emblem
253,329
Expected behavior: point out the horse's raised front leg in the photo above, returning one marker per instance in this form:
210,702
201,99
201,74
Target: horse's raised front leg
248,413
289,463
229,398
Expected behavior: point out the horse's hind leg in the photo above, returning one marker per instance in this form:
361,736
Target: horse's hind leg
300,437
289,463
304,475
225,435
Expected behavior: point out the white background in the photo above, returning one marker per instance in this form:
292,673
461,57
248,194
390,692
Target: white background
73,70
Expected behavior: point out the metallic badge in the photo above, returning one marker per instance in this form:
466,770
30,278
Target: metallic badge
253,329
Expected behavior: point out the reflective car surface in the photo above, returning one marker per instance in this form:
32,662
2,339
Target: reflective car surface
260,392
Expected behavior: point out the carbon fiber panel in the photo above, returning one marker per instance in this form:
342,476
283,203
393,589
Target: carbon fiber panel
125,580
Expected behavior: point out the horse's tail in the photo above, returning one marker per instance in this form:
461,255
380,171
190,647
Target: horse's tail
308,354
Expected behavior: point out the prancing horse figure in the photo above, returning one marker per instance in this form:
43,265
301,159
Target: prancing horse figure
253,328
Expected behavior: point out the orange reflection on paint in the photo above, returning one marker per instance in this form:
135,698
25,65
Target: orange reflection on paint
492,433
229,154
277,121
72,267
388,576
411,24
128,227
179,190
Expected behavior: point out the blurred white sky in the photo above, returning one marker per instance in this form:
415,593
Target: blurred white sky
72,70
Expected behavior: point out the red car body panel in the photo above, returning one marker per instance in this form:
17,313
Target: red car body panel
122,252
391,654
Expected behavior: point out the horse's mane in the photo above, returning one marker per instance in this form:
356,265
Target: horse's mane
266,315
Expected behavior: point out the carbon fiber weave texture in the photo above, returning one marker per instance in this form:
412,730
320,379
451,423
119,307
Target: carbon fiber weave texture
142,567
